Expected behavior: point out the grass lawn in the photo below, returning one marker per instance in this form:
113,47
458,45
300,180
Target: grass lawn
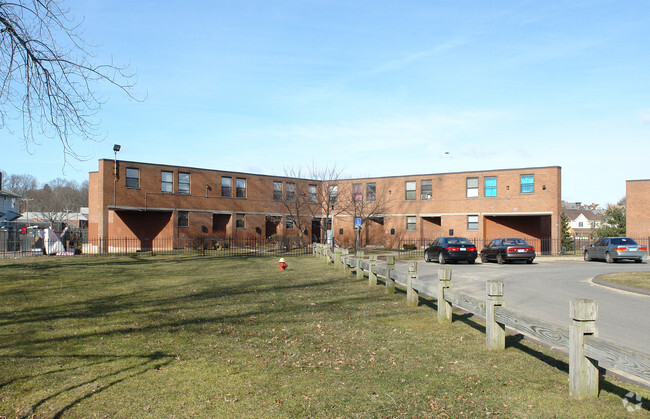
631,279
234,337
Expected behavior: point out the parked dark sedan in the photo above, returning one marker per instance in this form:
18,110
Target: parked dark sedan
445,249
611,249
506,250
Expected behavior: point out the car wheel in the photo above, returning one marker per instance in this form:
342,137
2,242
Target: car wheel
441,259
587,257
483,258
471,261
427,258
529,261
638,260
500,259
609,258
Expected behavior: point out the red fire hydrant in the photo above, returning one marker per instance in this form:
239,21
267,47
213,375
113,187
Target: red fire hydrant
283,265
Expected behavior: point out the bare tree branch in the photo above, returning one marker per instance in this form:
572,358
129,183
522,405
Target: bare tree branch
47,78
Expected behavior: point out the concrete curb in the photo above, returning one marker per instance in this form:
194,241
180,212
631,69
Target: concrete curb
621,287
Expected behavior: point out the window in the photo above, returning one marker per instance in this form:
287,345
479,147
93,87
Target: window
184,183
166,182
289,223
472,187
241,188
527,183
183,218
334,193
425,190
132,178
491,186
357,192
410,223
580,224
371,192
472,222
410,190
239,221
312,194
226,186
291,191
277,191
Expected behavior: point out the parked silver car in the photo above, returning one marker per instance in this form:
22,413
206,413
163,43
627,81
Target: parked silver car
611,249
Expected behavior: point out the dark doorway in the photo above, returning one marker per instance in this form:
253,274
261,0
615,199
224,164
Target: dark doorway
272,226
315,231
220,223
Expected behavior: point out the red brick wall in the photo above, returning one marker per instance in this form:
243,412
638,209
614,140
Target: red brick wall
511,212
638,208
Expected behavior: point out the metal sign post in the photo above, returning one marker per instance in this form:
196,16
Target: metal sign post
357,227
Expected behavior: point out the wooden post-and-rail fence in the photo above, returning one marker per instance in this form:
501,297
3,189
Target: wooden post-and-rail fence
580,339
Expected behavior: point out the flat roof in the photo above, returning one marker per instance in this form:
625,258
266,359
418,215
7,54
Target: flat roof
285,176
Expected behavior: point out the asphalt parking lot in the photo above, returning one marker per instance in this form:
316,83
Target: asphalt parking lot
544,289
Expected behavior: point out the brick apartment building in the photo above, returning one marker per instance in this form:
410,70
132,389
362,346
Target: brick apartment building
151,201
637,197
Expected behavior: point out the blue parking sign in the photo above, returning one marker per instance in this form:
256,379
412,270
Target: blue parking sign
357,222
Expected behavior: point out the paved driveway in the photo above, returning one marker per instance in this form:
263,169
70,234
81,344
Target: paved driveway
545,288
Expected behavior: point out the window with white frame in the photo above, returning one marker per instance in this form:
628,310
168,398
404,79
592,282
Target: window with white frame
426,189
313,194
240,221
357,192
411,222
472,187
184,183
527,183
490,186
333,191
291,191
289,223
410,187
183,218
166,182
132,178
226,186
241,187
472,222
277,191
371,192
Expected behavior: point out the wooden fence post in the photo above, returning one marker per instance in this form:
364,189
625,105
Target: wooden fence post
495,333
412,299
444,307
583,372
372,277
337,257
359,270
390,265
346,255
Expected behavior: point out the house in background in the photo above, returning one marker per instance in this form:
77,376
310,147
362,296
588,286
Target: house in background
583,222
9,204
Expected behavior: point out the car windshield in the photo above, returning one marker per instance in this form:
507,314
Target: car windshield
623,240
514,242
459,240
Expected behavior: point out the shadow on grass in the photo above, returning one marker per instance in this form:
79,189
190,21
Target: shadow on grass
520,342
148,362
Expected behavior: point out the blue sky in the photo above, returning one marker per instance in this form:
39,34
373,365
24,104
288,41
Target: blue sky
376,87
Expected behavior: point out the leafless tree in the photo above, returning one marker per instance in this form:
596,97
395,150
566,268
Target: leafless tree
330,190
47,77
297,201
20,184
58,198
367,203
